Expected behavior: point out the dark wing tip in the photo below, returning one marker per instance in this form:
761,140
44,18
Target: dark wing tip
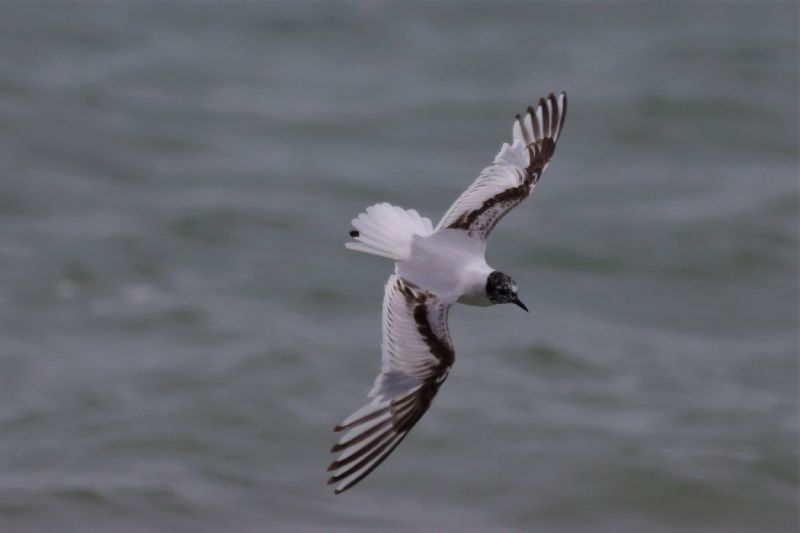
354,233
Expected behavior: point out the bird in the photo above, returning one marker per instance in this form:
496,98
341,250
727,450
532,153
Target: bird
434,268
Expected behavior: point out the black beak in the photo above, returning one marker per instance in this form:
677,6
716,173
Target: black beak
520,304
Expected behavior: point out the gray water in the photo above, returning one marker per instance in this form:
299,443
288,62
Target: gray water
181,326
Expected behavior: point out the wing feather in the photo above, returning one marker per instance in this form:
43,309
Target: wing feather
514,173
417,355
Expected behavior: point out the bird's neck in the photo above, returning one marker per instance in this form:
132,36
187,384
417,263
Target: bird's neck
475,277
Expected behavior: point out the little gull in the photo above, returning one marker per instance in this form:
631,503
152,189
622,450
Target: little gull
435,268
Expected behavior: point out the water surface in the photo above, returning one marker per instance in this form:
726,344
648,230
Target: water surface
181,327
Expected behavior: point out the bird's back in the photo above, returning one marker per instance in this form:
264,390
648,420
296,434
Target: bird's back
448,263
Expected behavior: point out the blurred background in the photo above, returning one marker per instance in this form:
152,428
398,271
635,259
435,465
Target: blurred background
181,325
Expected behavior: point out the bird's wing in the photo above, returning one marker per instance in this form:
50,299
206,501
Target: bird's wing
514,173
417,356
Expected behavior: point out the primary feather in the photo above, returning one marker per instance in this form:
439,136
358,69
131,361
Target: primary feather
433,270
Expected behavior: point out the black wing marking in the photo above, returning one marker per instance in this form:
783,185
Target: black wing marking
417,356
515,172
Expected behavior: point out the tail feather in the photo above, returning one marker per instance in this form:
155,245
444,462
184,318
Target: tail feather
387,230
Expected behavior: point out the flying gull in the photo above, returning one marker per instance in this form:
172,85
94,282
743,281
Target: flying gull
435,268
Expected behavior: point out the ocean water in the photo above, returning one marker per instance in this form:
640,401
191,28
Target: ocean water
181,326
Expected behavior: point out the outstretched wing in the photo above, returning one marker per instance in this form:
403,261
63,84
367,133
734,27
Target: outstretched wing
514,173
417,356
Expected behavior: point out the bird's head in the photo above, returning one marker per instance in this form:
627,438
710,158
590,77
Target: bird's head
501,289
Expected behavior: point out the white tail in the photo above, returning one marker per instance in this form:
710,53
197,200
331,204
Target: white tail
387,230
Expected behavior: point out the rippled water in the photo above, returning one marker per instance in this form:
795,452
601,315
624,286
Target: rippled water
181,327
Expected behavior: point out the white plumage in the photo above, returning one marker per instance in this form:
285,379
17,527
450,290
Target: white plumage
433,270
387,230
